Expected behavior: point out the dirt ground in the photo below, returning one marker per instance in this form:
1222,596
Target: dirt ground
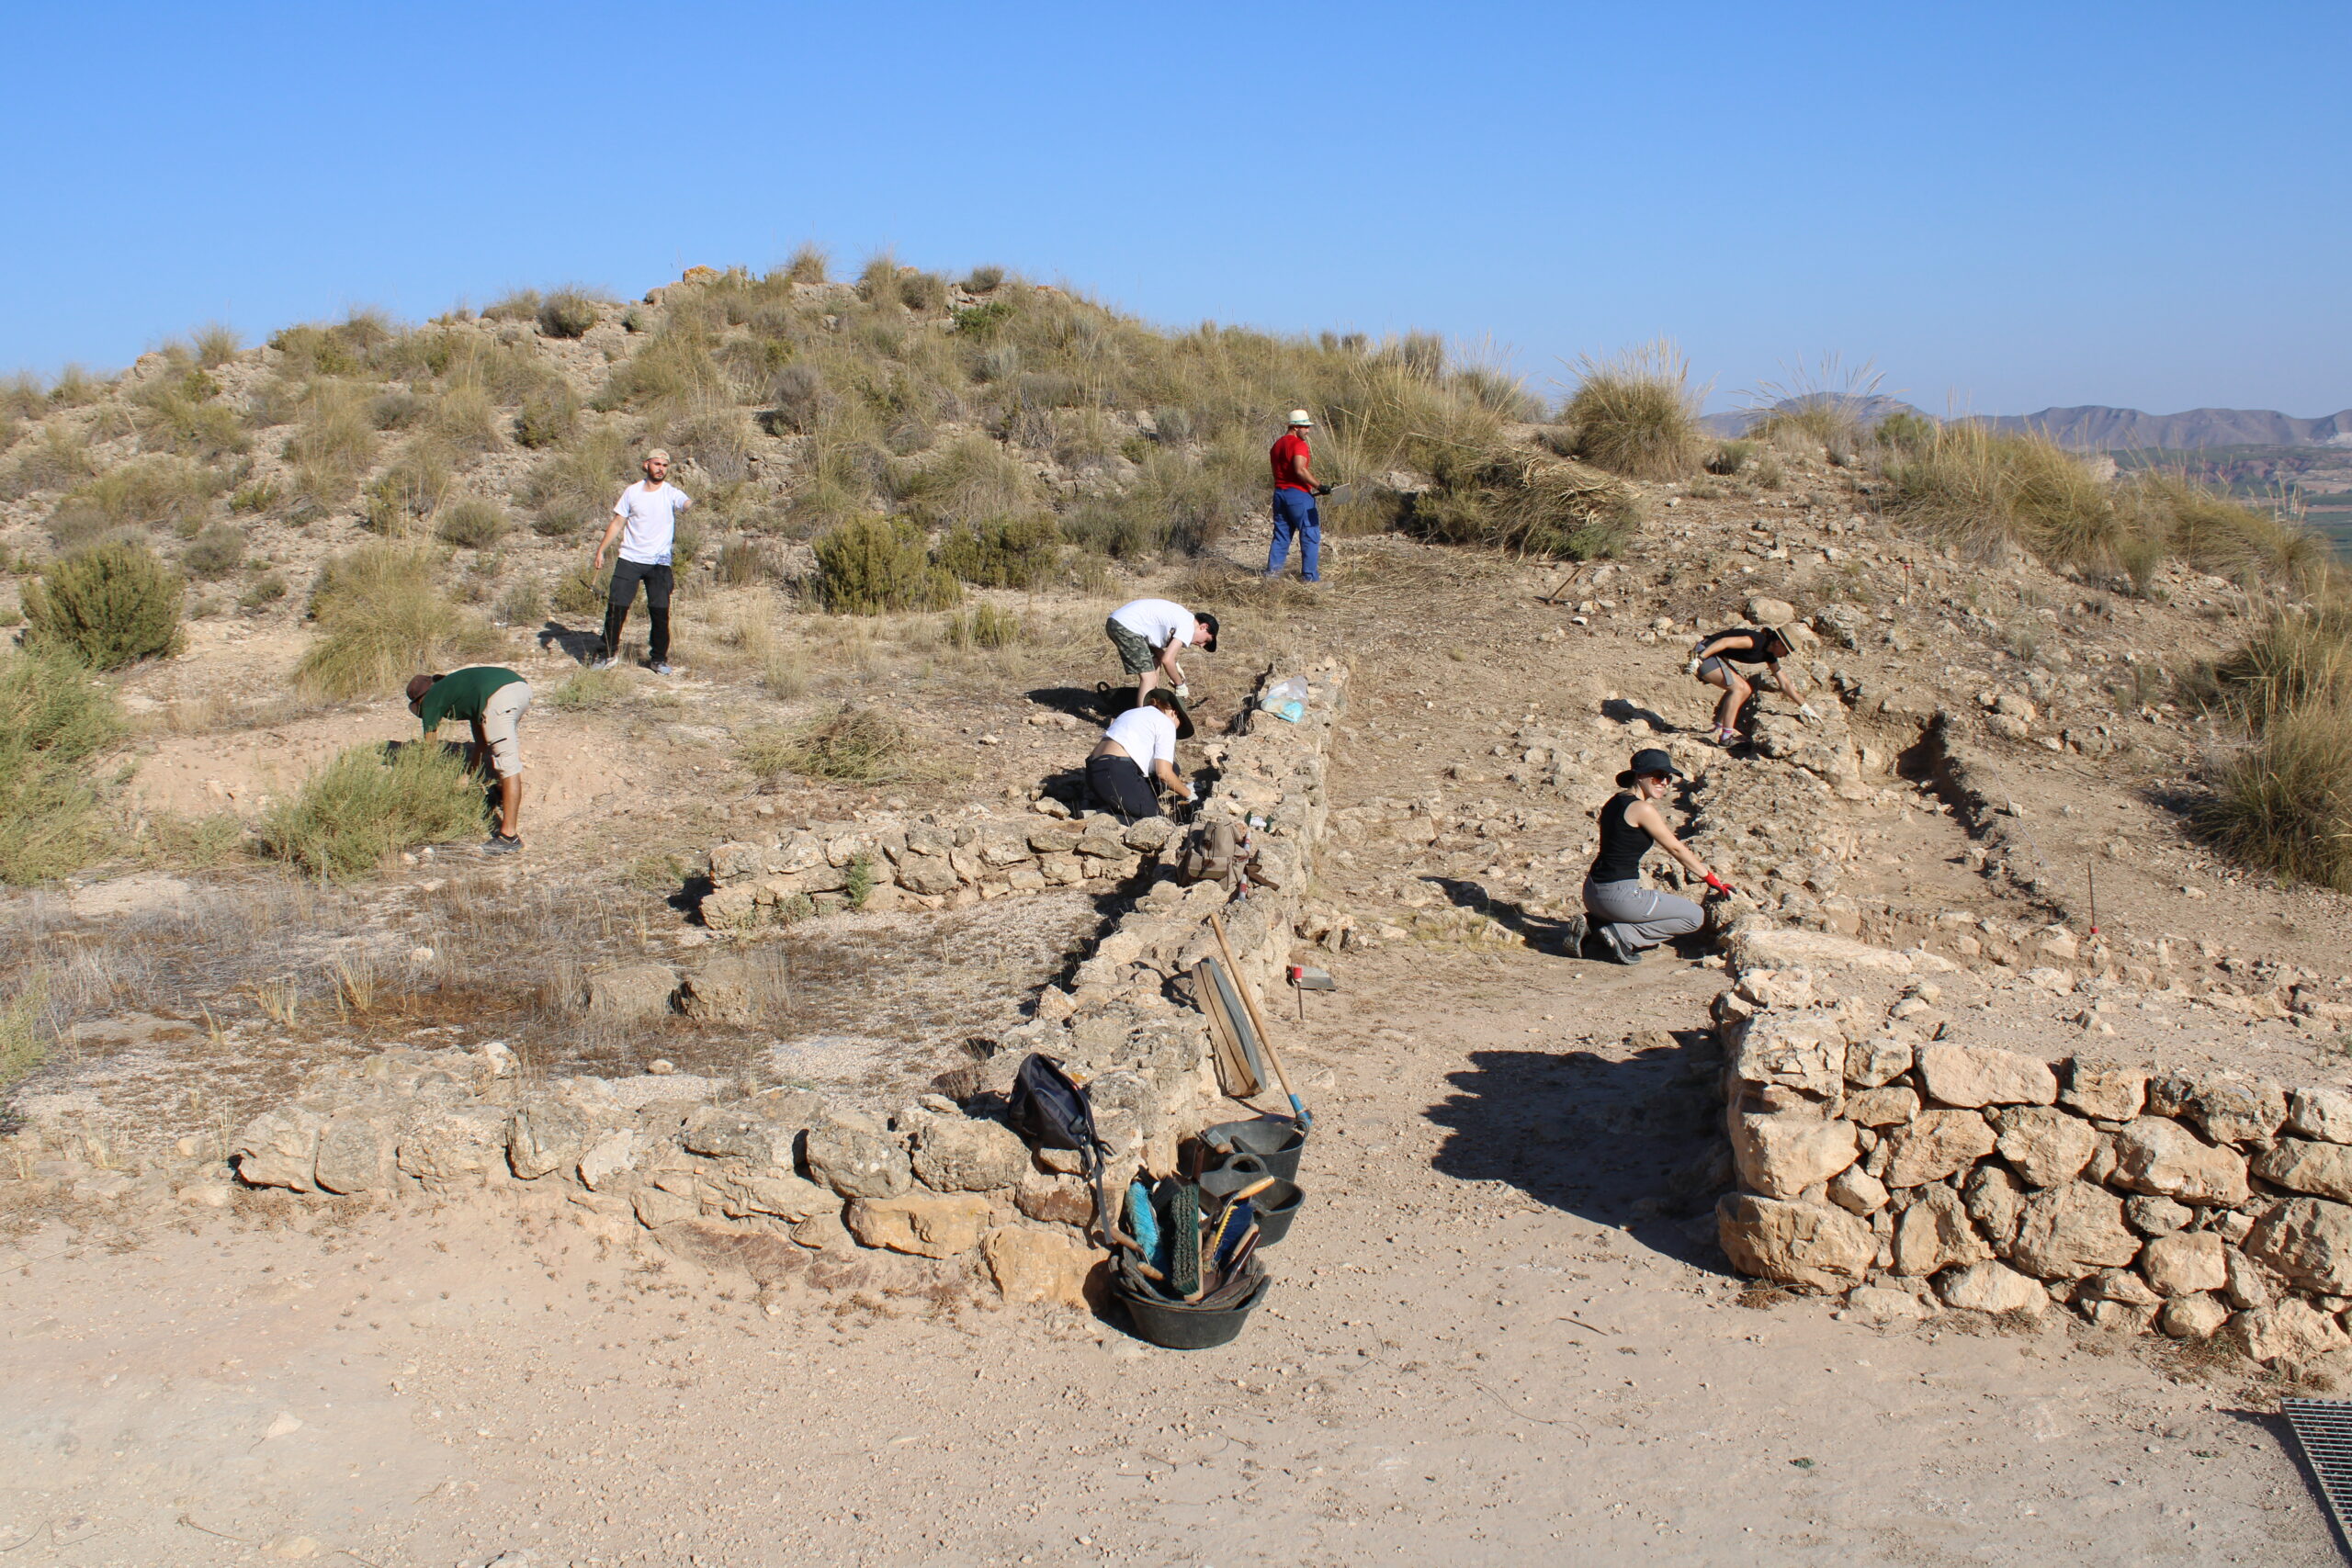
1497,1334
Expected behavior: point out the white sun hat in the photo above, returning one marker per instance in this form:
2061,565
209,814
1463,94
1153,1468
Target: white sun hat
1300,416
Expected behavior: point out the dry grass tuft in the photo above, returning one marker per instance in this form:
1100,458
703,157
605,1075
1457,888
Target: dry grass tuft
854,745
360,809
2285,803
382,618
53,719
1636,414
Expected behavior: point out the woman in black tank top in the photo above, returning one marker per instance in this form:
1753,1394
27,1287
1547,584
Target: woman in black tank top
1627,916
1715,661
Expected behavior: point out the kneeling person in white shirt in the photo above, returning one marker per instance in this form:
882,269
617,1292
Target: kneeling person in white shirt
1140,745
645,520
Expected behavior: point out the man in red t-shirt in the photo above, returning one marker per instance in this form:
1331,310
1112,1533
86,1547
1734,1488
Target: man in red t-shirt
1294,493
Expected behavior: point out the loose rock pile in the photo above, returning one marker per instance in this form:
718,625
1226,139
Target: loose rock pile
1879,1156
792,1189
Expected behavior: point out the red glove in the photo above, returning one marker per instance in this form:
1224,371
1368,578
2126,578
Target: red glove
1717,883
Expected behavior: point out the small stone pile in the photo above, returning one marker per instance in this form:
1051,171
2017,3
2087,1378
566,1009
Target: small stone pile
792,1190
1879,1156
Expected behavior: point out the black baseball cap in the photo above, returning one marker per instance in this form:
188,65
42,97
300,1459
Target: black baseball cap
1649,761
1209,621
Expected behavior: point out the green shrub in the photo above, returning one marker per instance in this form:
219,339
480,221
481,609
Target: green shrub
472,524
569,313
586,689
53,719
872,565
1635,414
110,605
986,626
359,810
2301,657
1731,456
380,619
466,422
262,495
1530,505
145,493
522,604
547,417
413,485
335,444
923,291
523,305
26,1032
1906,431
878,281
582,591
214,553
180,413
341,349
1004,552
263,591
76,387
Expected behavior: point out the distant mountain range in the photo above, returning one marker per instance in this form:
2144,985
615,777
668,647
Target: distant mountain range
2098,428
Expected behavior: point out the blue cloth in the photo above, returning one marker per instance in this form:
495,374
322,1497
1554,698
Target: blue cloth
1294,512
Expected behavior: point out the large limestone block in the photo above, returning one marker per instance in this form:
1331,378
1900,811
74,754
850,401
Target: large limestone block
1804,1050
1857,1192
449,1144
2067,1232
1934,1234
738,1193
1881,1107
928,1224
2322,1113
1798,1243
2234,1109
858,1160
279,1148
2161,1156
1760,947
1978,1075
1934,1144
1037,1266
1782,1154
634,990
760,1132
2308,1240
608,1162
1996,1201
1992,1287
2293,1330
2192,1317
355,1154
969,1155
2185,1263
726,989
1873,1063
2044,1145
929,874
2324,1170
2103,1089
547,1136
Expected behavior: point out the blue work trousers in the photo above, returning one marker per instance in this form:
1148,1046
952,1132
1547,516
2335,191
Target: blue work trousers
1294,514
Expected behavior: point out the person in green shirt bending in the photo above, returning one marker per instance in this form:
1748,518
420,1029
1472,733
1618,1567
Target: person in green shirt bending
492,700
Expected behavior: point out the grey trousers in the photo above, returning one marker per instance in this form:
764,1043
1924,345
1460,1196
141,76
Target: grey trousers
1643,916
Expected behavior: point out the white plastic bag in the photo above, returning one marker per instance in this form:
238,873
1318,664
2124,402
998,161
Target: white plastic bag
1285,699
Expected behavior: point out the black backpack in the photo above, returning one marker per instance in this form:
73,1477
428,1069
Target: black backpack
1051,1108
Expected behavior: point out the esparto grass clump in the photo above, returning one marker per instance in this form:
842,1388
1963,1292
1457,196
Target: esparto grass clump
53,719
362,809
1635,414
853,745
382,618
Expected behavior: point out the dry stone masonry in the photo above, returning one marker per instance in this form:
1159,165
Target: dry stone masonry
795,1190
1880,1157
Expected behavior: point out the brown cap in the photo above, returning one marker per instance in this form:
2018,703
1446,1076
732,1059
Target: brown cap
417,686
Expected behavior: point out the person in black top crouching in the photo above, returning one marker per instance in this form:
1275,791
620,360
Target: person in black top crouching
1716,659
1628,917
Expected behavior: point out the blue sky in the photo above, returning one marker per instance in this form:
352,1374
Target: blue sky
2005,207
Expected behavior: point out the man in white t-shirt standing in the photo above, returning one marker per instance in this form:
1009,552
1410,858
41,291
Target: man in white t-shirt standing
1148,633
645,520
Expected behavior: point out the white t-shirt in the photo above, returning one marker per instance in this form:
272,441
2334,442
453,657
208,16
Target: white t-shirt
1157,621
652,523
1147,734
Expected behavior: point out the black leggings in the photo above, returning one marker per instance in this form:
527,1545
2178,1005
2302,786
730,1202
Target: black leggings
1118,785
656,578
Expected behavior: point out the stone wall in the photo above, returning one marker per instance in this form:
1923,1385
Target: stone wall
1878,1156
793,1189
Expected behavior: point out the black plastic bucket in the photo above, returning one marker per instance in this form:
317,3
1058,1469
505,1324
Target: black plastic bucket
1275,1208
1276,1140
1174,1325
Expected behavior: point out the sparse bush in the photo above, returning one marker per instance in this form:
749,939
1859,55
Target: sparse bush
743,562
110,605
808,264
1636,415
986,626
1906,431
717,440
577,483
472,524
1004,552
983,279
872,565
923,291
1731,456
1769,475
262,495
216,344
466,422
569,313
414,486
145,493
523,603
339,350
181,414
522,305
334,444
877,282
359,810
547,417
382,618
214,553
854,745
263,591
26,1032
582,591
396,410
798,394
785,677
971,480
60,458
1530,505
76,387
586,689
53,718
2205,529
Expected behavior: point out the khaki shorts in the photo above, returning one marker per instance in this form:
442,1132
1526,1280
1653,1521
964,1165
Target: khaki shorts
501,711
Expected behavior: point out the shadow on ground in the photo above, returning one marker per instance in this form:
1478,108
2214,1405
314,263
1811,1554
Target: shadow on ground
1085,703
1633,1142
1547,933
580,646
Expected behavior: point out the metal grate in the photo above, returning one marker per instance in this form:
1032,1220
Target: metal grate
2323,1431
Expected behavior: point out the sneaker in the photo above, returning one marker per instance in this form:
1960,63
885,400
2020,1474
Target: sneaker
606,662
1618,951
661,669
502,844
1573,931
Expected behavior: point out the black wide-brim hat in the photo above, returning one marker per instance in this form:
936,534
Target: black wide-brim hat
1649,759
1183,718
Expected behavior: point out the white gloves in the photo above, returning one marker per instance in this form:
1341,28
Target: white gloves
1691,668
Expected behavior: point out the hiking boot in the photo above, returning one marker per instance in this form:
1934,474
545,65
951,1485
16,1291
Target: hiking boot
1618,951
660,668
502,844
